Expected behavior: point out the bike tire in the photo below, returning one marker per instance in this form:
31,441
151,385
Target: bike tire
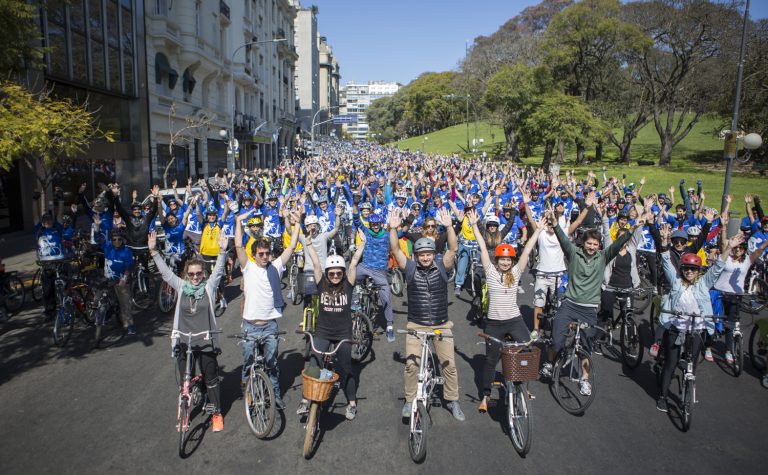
37,285
397,284
183,426
362,334
758,350
259,402
452,274
686,406
519,415
566,378
13,289
293,284
166,297
143,299
62,326
631,346
312,434
220,309
417,437
112,330
738,356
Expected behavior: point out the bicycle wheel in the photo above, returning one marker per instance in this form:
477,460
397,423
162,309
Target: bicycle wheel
362,334
631,347
519,417
166,297
259,401
398,282
686,403
37,286
143,292
293,284
566,378
219,303
738,356
111,330
63,325
312,433
13,289
417,439
183,425
757,348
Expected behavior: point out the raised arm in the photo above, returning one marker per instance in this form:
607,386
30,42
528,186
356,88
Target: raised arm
395,220
449,258
242,257
286,255
523,258
317,266
352,272
473,220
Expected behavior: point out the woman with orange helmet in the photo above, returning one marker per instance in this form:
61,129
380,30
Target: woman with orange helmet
504,317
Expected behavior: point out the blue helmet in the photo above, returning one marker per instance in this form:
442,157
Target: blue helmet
375,219
211,210
272,195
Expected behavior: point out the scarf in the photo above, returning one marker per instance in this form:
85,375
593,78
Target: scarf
191,290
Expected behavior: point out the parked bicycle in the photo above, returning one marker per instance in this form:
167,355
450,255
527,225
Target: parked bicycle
70,304
11,290
103,310
552,300
318,391
428,379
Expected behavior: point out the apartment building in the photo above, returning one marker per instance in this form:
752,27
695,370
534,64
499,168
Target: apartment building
355,99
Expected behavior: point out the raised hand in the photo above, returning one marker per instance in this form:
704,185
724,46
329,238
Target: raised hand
748,198
472,217
444,218
728,199
736,240
361,236
223,241
394,220
152,240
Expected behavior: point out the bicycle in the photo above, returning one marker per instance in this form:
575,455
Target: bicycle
166,294
758,347
428,379
70,305
756,286
294,269
520,364
368,299
568,372
12,290
307,325
721,324
143,292
552,302
318,391
629,337
687,379
259,395
191,390
395,277
642,301
104,311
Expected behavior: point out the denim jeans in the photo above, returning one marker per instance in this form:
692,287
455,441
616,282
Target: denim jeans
461,267
270,350
380,279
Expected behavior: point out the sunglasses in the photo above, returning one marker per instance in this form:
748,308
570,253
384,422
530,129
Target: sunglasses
263,253
335,274
192,275
430,226
689,269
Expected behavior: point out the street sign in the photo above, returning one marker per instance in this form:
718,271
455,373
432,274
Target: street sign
345,119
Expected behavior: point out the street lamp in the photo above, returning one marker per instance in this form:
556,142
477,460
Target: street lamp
232,144
424,142
313,124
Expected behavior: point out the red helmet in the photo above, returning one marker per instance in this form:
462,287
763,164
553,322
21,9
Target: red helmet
690,259
505,250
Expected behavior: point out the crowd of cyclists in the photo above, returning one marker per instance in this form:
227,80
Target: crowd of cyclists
354,210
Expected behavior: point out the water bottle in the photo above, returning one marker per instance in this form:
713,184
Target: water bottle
356,299
563,285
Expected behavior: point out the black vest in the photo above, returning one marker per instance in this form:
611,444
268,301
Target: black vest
428,295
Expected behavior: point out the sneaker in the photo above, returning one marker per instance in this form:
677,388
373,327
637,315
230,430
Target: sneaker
708,355
729,357
279,404
456,410
223,303
217,422
351,412
483,407
131,329
546,370
661,404
390,334
654,351
585,388
303,408
407,410
597,348
457,291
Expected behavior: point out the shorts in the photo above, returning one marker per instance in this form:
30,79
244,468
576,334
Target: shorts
542,285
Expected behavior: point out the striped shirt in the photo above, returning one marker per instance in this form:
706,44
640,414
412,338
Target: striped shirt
502,300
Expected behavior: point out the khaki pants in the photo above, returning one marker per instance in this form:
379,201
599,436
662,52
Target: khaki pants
123,293
444,349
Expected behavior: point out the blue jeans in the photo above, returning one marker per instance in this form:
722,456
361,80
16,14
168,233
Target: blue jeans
380,279
270,350
461,267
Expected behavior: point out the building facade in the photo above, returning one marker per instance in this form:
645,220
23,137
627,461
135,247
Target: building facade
356,98
307,66
330,75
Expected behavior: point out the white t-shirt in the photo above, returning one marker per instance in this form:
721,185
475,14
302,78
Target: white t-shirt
259,303
551,257
733,276
503,299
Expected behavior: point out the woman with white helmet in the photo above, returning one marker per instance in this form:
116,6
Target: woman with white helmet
334,319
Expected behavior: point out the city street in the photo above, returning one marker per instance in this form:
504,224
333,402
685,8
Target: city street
73,410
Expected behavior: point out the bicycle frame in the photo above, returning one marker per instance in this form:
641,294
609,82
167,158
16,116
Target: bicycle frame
426,381
186,394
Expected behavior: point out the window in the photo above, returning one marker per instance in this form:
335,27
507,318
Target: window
198,30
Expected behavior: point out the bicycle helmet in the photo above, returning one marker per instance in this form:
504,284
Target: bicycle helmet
375,219
247,196
255,221
135,205
694,231
322,199
311,219
211,210
416,205
505,250
400,195
679,234
623,214
492,220
335,262
424,245
690,259
272,195
366,205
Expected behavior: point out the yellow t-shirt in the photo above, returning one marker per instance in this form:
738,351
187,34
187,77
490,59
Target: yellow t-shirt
209,241
287,239
365,223
466,230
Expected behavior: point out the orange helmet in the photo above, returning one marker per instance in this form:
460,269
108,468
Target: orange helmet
505,250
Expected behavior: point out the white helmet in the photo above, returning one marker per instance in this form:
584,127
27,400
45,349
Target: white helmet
335,262
311,219
233,207
492,219
400,195
694,231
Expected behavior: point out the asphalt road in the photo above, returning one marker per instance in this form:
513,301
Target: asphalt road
73,410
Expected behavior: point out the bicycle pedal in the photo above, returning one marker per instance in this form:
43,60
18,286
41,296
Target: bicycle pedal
209,408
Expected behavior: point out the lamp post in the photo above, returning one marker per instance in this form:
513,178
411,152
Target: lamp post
423,143
232,144
312,130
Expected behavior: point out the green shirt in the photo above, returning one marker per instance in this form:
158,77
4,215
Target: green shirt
585,273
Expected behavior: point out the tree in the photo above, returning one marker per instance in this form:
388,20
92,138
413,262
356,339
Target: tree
691,41
385,114
19,35
40,130
428,102
195,127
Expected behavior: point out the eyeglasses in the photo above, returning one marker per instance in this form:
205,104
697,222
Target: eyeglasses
192,275
115,239
335,274
263,253
430,226
689,269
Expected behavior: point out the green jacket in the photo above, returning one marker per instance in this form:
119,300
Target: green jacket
585,274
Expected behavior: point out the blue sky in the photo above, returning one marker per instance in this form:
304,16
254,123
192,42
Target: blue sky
396,40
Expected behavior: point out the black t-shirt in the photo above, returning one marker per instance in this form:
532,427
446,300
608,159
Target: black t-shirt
334,319
621,276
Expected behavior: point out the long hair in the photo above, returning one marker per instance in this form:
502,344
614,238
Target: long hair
194,261
325,286
508,277
434,234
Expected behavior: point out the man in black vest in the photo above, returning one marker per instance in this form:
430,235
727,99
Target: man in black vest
427,280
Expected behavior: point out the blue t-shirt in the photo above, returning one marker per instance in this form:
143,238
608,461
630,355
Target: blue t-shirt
49,242
117,262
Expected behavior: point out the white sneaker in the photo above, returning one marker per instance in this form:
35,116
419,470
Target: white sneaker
585,388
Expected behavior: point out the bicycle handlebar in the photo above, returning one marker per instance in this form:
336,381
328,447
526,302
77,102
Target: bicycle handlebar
684,314
429,334
244,337
324,353
628,290
506,343
177,333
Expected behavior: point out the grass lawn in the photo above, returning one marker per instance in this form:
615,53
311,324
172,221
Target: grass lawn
699,155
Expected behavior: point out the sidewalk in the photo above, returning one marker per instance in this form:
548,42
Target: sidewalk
18,251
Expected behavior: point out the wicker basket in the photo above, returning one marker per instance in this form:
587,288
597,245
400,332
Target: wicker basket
318,390
520,364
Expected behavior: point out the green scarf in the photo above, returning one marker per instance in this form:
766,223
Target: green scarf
191,290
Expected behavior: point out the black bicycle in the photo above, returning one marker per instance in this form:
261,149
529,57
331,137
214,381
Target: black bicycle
573,368
630,342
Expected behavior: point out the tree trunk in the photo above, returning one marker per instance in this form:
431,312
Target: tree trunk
548,147
579,152
513,143
165,172
560,152
599,152
665,155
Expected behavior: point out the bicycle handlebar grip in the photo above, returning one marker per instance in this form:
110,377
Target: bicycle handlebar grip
402,331
483,335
